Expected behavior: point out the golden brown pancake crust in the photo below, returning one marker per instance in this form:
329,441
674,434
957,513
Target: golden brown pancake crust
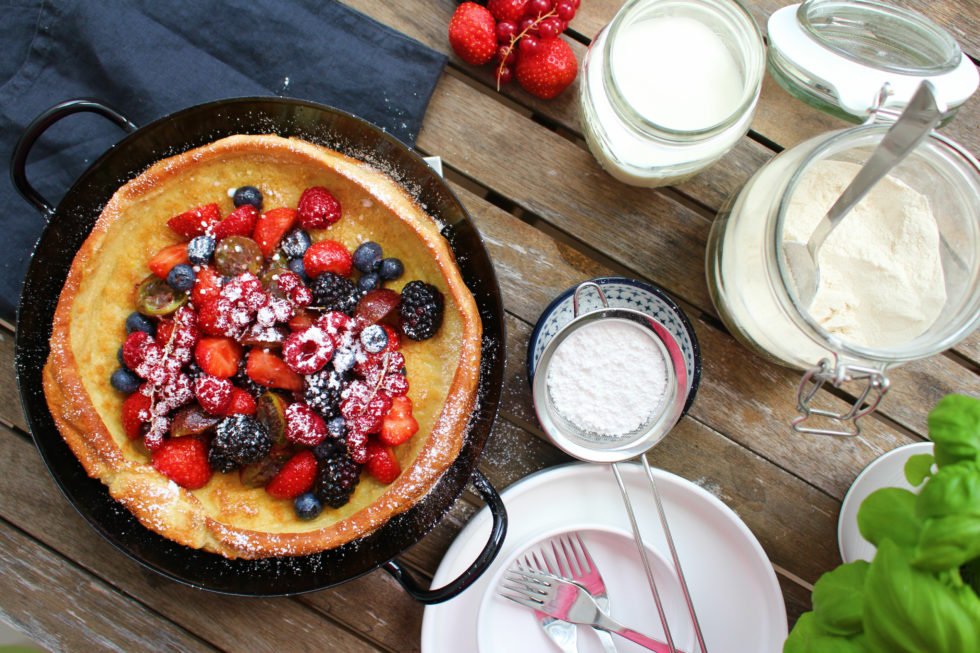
224,516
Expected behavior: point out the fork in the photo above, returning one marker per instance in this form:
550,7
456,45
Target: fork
580,568
566,600
562,633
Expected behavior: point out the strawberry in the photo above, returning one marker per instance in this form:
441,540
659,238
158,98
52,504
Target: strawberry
213,394
548,70
398,425
206,286
218,356
317,208
240,222
163,261
295,477
327,256
215,317
196,221
507,10
301,320
303,426
242,403
472,34
271,371
184,461
135,412
271,226
394,342
381,462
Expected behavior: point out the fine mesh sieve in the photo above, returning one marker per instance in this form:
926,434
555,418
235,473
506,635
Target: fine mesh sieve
593,447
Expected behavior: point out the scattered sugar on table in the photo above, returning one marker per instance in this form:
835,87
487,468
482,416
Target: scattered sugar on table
608,377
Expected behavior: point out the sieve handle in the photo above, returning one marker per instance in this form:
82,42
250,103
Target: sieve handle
582,286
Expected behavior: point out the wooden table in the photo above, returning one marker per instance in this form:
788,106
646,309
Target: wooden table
522,169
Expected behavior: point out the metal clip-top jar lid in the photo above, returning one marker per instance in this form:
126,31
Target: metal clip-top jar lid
837,55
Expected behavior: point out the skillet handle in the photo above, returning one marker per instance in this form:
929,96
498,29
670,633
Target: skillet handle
499,529
18,161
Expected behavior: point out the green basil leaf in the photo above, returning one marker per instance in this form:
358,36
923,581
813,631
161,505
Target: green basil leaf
889,513
954,489
918,468
947,542
838,597
908,609
808,637
954,425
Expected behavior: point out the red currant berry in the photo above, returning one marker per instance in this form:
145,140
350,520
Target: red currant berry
537,7
528,26
506,54
548,28
506,31
565,10
505,75
528,45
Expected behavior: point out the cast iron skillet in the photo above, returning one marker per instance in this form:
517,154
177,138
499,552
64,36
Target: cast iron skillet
70,223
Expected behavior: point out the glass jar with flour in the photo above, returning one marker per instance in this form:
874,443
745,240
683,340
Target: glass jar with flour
900,275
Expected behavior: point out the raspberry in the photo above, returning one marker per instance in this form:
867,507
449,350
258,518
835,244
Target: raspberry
214,394
134,348
303,426
333,292
242,439
317,208
308,351
357,443
421,310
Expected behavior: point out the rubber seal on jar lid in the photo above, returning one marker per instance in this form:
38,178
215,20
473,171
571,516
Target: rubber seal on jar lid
837,55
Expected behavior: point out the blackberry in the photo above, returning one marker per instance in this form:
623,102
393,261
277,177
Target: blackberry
333,292
330,448
336,480
242,438
219,461
323,389
421,310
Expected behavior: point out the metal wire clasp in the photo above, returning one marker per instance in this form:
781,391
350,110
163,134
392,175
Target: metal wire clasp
876,385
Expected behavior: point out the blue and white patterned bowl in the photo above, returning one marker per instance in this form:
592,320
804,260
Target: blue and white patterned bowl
620,292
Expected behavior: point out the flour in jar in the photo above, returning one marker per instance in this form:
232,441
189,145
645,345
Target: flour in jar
881,275
608,377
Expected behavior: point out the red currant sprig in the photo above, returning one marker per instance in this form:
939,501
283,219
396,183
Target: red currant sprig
546,19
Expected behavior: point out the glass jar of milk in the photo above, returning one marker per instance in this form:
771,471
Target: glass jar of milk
900,275
669,86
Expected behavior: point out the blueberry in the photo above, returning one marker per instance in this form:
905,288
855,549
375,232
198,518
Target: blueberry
369,281
307,506
336,427
248,195
119,356
125,380
296,265
295,243
139,322
181,277
344,359
374,339
200,249
367,257
391,269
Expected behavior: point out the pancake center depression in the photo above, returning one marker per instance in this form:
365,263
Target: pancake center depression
608,378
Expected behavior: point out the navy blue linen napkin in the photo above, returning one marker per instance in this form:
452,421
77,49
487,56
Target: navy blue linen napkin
149,58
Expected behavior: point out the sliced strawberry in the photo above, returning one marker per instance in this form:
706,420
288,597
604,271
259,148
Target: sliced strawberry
394,342
302,320
295,477
242,403
196,221
271,226
399,425
267,369
240,222
184,461
327,256
317,208
218,356
135,413
382,463
216,317
303,426
207,285
214,394
164,260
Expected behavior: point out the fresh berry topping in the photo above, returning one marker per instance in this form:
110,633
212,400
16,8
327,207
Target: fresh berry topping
421,310
317,208
391,269
258,474
125,380
164,260
472,34
327,256
181,277
369,282
135,347
364,408
135,413
213,394
241,403
206,286
399,425
267,369
218,356
307,506
248,195
394,342
136,321
376,305
395,385
240,222
192,420
374,339
303,426
357,442
337,479
201,249
323,391
242,439
236,255
334,322
333,292
295,243
301,320
196,221
184,461
220,461
507,10
215,317
271,227
506,30
295,477
382,463
367,257
296,265
548,70
336,428
308,351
